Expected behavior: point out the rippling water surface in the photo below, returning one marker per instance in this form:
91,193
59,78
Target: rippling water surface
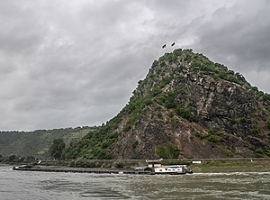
20,185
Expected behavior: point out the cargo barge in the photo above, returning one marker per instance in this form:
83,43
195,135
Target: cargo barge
154,167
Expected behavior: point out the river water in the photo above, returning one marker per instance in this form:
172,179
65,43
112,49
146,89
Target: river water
23,185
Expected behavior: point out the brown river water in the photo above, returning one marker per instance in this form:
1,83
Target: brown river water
235,183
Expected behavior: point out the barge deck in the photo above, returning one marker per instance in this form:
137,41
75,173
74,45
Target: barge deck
78,170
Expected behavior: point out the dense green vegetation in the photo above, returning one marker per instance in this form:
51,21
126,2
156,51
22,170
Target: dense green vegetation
169,151
95,145
57,148
36,143
17,159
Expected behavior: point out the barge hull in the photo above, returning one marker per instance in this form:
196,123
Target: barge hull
88,170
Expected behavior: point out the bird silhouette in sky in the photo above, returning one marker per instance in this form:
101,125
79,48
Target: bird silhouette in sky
164,46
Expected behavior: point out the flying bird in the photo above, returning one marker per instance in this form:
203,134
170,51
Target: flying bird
164,46
173,44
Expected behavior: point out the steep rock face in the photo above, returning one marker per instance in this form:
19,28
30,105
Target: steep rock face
204,109
186,107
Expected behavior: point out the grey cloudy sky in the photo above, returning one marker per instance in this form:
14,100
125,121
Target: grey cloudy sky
67,63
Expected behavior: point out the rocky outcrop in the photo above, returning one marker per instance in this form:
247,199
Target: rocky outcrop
201,107
187,107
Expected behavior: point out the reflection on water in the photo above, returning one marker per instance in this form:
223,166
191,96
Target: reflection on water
69,186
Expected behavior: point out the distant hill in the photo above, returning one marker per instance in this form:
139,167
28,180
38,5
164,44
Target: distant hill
36,143
186,107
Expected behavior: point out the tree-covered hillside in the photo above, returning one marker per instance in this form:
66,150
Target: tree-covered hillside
37,143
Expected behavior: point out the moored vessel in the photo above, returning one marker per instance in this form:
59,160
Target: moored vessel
172,169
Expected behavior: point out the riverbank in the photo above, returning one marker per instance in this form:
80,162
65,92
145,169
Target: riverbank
207,167
114,166
232,166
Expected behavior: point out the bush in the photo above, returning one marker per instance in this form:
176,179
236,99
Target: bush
256,130
169,100
228,152
160,151
170,151
177,52
243,120
185,113
200,135
118,165
266,97
211,137
82,163
267,152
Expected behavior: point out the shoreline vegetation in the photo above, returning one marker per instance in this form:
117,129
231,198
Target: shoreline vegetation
228,166
241,165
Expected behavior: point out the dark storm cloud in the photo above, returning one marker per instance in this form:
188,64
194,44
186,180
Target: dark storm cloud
73,63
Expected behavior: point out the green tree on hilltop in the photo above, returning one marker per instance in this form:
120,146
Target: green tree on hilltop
57,148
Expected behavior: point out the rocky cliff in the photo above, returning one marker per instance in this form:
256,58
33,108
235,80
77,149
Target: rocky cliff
188,107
